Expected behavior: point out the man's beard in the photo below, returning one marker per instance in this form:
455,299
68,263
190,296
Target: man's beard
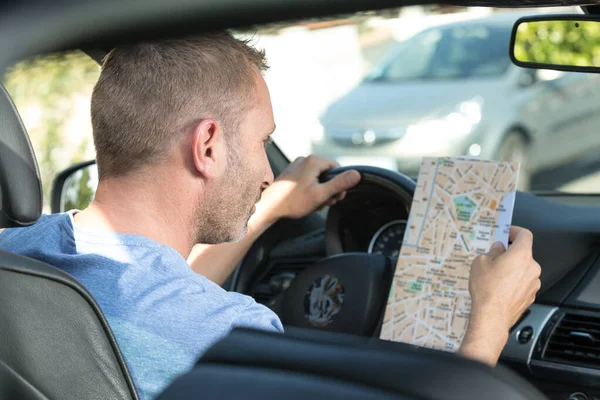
223,216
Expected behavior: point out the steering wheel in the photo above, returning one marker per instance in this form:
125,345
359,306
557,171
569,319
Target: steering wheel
345,292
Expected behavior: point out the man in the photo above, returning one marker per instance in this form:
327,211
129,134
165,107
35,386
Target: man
179,128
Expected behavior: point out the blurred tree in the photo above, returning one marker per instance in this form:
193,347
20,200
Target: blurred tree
48,92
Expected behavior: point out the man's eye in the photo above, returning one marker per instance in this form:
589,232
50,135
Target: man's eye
268,141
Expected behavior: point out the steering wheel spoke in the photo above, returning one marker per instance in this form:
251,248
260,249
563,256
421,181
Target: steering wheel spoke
346,292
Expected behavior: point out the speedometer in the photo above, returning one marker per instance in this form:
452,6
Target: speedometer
388,239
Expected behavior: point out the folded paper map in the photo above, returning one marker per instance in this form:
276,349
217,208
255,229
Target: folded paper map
460,208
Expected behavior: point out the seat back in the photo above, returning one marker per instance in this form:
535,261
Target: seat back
55,344
308,364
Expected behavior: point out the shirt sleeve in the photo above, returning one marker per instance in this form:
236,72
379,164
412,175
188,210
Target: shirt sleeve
258,316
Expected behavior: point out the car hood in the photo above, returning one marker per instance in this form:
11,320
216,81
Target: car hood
386,104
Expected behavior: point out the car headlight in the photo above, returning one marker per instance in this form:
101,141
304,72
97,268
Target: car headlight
458,123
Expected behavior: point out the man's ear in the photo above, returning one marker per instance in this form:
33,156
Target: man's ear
206,137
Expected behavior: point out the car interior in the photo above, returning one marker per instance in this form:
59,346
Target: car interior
56,344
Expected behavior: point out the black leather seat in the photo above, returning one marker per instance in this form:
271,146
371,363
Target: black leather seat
305,364
55,344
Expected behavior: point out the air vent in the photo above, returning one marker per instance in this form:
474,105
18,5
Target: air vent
575,340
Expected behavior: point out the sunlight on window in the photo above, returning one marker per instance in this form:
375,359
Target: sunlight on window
52,94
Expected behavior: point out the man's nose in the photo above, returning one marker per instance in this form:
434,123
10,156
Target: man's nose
269,178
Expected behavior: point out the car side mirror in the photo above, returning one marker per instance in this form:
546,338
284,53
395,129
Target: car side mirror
75,187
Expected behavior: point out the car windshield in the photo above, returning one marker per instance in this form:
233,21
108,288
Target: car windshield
383,88
461,51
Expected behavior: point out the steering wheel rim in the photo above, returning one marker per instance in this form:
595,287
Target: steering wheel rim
396,183
346,292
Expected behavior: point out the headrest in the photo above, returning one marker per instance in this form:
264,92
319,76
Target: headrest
20,184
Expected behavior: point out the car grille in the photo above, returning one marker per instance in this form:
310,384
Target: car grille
359,138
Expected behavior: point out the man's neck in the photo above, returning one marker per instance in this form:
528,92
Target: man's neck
130,206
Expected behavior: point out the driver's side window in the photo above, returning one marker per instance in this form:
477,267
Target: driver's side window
52,94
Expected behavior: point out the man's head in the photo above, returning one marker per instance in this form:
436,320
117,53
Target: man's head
198,108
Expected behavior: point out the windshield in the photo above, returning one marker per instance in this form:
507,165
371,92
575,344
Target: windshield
384,88
389,88
447,53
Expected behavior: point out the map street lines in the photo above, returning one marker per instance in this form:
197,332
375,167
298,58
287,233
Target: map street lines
460,208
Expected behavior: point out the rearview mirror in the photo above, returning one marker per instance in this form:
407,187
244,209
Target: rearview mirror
564,42
75,187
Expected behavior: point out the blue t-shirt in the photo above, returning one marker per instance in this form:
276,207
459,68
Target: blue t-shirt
163,315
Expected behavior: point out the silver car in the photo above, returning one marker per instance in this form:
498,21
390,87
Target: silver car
452,90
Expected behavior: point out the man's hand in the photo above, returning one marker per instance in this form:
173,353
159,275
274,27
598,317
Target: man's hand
503,283
297,192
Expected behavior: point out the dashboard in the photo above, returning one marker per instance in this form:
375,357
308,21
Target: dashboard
370,219
388,239
556,344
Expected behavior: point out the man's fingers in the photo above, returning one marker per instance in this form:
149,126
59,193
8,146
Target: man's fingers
496,250
320,165
536,270
298,160
514,231
520,237
340,183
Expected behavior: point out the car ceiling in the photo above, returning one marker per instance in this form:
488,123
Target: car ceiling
32,27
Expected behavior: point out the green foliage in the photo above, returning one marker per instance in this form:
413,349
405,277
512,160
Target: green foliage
46,91
559,42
